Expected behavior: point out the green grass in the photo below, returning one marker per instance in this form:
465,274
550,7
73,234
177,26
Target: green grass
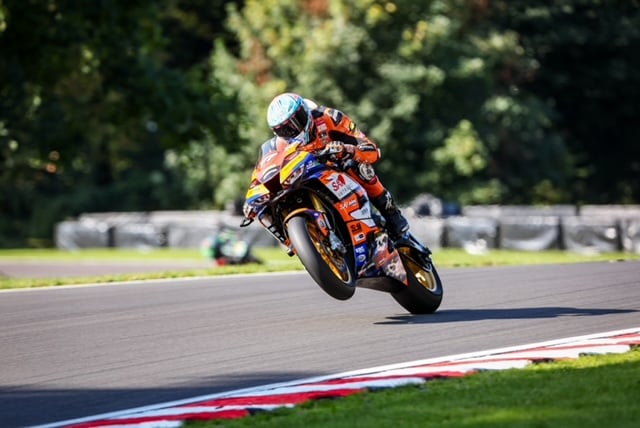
275,260
99,254
592,391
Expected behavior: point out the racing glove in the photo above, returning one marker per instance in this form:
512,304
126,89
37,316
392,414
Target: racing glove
340,150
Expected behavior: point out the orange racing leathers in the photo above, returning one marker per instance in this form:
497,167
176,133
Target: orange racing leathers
333,125
333,128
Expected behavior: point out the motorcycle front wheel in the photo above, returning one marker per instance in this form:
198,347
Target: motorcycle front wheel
328,268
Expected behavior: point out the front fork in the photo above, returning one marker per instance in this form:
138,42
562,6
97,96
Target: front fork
321,221
334,242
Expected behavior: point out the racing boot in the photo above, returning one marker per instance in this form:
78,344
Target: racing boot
397,225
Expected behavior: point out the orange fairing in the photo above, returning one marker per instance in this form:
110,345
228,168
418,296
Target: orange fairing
273,158
358,217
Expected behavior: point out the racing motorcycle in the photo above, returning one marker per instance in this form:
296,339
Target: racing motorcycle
308,202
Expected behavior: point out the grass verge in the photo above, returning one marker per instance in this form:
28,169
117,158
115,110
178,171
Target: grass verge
592,391
275,260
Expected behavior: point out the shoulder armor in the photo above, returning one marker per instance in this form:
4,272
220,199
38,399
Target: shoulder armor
336,115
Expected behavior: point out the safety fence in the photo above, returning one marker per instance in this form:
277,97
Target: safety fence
598,228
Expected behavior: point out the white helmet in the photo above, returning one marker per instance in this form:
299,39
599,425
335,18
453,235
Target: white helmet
289,117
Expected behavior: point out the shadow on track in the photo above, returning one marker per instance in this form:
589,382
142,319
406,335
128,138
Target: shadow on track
461,315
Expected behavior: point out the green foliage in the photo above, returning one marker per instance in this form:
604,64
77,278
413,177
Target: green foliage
141,105
210,172
589,67
414,76
91,96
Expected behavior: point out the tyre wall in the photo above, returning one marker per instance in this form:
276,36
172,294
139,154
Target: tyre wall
592,228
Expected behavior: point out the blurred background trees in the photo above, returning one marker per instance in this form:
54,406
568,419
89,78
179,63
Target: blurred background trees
139,105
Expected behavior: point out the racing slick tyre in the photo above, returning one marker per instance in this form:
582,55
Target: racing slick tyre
424,293
328,268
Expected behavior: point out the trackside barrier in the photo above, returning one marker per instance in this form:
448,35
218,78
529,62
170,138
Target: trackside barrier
589,228
428,229
74,234
630,231
481,232
591,232
529,233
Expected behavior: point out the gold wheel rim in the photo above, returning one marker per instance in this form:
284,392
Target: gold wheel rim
424,277
334,260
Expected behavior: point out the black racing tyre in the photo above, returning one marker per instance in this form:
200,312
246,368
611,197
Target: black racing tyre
424,293
328,268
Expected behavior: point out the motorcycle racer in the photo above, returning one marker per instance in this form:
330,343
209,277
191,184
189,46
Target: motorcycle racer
320,128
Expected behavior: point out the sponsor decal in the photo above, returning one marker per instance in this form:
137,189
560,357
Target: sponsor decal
341,186
322,130
345,205
338,183
364,215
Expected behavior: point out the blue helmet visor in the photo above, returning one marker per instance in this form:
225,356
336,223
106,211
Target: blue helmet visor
294,125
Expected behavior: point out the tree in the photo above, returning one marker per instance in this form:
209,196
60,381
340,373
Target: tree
436,85
92,95
589,69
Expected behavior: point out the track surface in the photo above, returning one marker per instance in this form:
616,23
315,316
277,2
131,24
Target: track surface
80,351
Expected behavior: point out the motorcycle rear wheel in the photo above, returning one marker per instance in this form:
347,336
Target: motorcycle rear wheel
424,293
328,268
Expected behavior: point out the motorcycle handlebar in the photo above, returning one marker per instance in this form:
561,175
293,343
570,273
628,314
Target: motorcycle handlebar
327,154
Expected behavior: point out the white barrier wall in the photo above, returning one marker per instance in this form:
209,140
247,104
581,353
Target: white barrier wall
529,233
591,232
594,228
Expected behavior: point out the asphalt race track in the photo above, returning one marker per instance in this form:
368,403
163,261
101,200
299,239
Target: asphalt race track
79,351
